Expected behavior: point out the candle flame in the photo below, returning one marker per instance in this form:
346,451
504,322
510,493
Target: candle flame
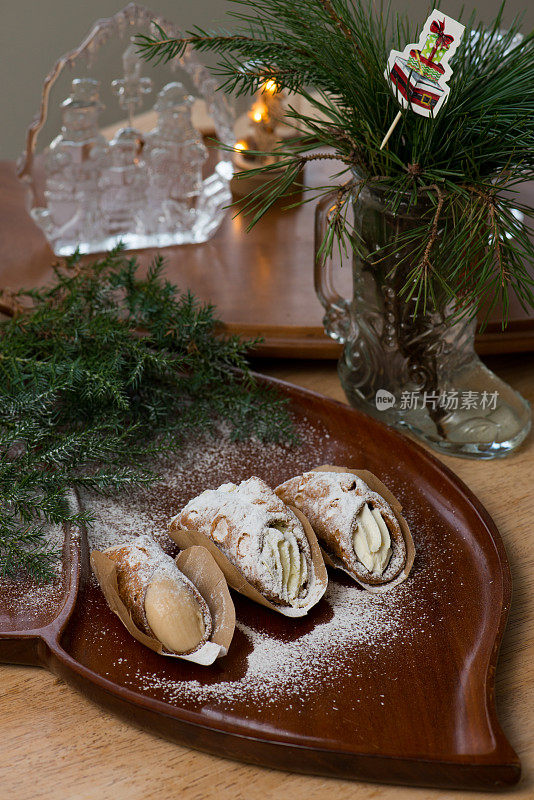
241,145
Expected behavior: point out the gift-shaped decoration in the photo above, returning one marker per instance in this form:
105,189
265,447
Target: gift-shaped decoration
437,42
419,74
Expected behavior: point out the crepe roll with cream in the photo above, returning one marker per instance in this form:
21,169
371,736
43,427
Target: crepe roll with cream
260,536
357,527
161,600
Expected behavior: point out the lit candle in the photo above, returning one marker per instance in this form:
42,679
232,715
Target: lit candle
262,127
265,114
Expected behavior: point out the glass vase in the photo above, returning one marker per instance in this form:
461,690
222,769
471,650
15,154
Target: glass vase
413,368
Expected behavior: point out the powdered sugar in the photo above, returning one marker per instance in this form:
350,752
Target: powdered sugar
147,559
333,502
352,643
335,487
294,664
206,463
30,596
296,668
239,519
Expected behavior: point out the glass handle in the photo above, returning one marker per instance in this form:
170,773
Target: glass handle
336,320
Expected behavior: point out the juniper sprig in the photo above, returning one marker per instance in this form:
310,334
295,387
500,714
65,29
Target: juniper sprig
103,369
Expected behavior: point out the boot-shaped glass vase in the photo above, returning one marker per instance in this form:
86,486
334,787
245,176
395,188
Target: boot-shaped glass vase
415,370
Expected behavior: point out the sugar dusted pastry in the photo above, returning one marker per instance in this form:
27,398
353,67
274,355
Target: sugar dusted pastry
355,525
162,601
259,535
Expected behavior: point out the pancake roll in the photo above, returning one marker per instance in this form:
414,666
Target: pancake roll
266,549
357,522
161,605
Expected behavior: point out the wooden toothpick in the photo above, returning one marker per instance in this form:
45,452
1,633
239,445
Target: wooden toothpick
391,129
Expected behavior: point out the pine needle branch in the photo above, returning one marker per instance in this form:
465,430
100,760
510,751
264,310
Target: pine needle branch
474,152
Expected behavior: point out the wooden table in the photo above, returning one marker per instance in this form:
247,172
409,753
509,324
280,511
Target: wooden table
272,266
56,745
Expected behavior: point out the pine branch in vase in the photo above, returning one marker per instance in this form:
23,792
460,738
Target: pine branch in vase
467,162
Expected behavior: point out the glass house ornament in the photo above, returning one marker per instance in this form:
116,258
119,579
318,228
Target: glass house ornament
73,162
122,175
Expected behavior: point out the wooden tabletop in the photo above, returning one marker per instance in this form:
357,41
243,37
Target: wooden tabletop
272,266
56,745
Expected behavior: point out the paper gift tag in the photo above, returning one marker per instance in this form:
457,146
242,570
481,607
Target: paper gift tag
418,75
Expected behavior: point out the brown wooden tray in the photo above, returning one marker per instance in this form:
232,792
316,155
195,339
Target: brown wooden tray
414,708
260,282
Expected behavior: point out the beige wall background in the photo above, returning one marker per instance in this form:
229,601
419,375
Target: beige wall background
34,33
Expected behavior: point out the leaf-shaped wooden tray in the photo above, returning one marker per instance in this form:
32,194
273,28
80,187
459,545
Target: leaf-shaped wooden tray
395,688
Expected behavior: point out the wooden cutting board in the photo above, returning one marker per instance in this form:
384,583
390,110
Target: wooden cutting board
394,688
261,282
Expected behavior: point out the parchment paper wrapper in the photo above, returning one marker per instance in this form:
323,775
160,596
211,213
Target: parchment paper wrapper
186,538
197,565
377,486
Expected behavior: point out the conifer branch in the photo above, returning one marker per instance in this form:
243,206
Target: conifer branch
86,398
481,141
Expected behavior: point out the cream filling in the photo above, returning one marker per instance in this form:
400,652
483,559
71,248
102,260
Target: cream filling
282,557
372,542
174,615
